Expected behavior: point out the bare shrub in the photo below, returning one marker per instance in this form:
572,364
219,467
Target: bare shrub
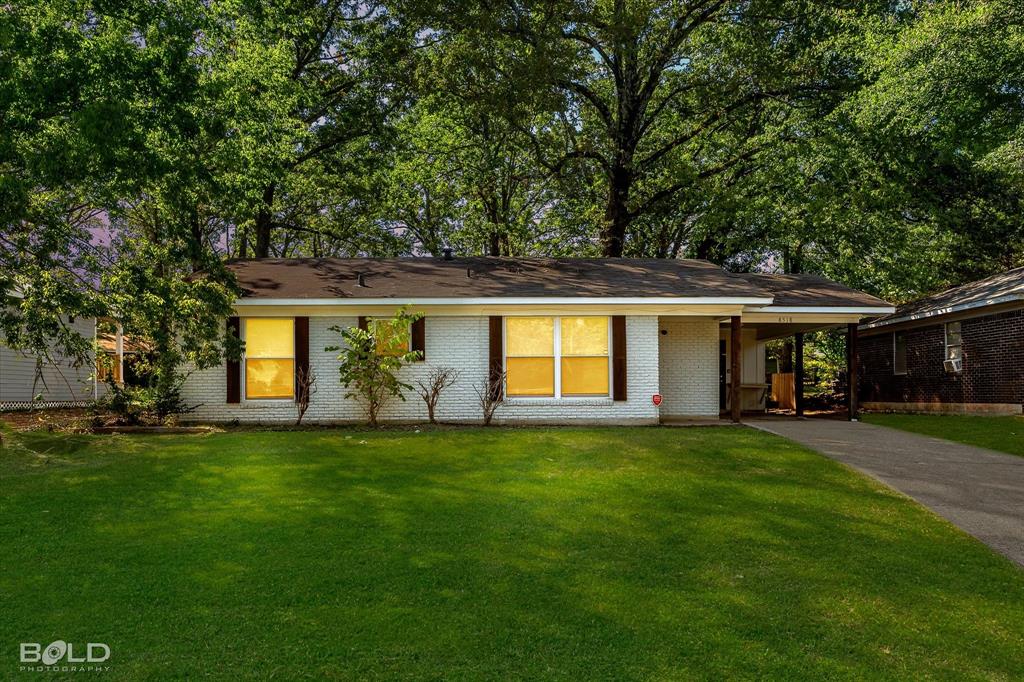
490,394
305,387
437,381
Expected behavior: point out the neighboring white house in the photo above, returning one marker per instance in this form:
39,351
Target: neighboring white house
577,340
26,379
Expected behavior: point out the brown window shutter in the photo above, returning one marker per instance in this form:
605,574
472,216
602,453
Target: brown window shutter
618,357
362,323
301,350
495,361
234,368
419,337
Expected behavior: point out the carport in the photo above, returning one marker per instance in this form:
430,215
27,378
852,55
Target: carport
801,304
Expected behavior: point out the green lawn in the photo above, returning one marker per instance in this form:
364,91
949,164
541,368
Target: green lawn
1005,434
585,554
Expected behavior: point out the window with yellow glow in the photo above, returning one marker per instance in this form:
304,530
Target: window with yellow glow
556,357
269,358
584,356
386,341
530,356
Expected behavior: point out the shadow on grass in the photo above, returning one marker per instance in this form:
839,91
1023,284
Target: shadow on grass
493,554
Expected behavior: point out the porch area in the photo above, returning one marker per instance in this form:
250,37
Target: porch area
742,345
714,368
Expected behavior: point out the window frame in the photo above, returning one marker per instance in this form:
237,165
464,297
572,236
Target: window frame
244,388
557,357
408,333
948,345
895,371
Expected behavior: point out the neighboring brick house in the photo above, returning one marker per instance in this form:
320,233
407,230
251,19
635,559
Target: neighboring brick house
960,351
576,340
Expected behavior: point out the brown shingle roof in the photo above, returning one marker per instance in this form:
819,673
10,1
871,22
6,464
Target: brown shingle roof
1003,288
487,277
484,277
812,290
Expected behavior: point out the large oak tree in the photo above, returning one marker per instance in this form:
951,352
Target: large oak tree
661,97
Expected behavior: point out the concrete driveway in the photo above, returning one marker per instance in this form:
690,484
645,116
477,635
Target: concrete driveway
979,490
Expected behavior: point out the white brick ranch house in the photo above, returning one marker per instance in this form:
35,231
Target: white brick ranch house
578,340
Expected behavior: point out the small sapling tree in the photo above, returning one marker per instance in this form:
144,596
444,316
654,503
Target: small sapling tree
371,358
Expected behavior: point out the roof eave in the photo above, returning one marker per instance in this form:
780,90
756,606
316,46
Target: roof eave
829,309
940,312
511,300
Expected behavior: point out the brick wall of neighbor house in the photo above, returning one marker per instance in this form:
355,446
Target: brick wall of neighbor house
688,365
460,342
993,365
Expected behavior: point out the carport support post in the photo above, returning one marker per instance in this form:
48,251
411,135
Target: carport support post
735,346
798,373
852,362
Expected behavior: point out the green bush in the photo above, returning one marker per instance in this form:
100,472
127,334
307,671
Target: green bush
131,405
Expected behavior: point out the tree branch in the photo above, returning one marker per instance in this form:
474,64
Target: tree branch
596,46
592,97
704,125
703,175
682,28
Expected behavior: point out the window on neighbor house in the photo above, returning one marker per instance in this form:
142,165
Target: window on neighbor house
954,345
384,338
899,353
269,358
556,357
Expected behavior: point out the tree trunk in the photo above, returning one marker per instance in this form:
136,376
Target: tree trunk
264,221
792,259
616,214
786,357
196,234
790,265
707,247
490,202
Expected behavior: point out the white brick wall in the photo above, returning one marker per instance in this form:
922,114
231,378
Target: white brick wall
688,365
459,342
206,390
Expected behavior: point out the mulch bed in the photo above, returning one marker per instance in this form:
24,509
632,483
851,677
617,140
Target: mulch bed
154,430
84,420
56,419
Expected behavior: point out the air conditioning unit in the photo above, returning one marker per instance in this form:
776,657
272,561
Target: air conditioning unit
953,366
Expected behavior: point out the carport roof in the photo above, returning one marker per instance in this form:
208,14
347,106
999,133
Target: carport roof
804,290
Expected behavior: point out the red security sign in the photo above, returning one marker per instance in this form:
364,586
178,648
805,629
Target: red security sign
656,399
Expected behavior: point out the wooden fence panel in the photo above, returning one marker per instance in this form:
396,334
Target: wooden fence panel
784,390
